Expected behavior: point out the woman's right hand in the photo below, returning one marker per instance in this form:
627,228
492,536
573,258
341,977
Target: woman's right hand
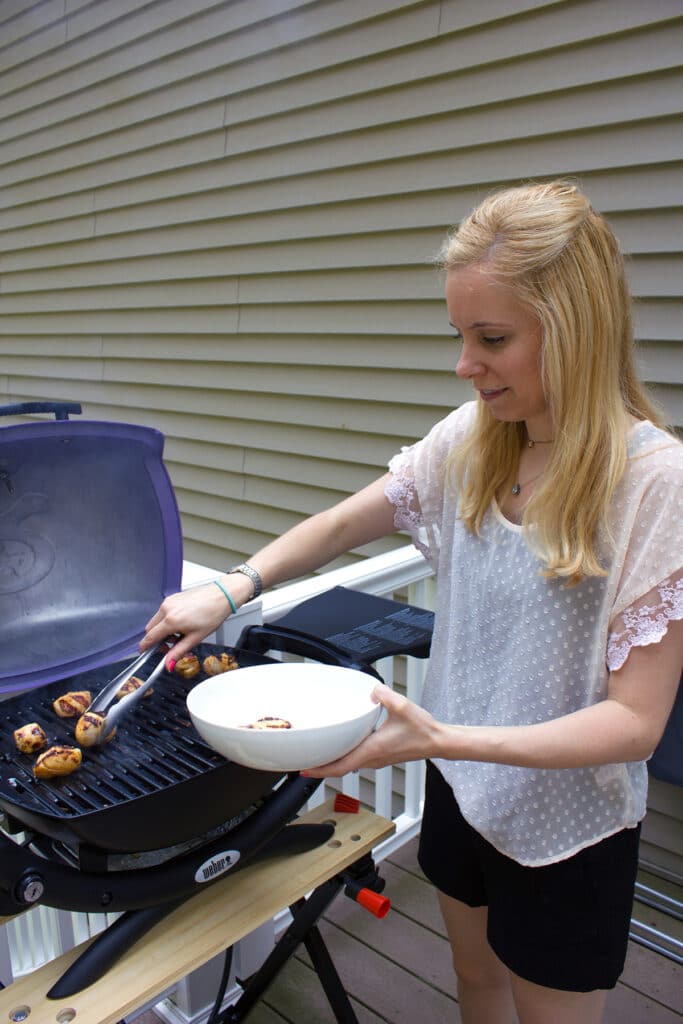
193,613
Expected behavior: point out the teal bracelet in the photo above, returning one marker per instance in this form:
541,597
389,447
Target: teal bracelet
226,592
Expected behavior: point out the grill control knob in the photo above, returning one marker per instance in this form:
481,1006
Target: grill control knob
30,889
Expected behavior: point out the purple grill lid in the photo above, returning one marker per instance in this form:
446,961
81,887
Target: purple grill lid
90,544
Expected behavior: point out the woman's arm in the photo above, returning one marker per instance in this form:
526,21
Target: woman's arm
626,726
195,613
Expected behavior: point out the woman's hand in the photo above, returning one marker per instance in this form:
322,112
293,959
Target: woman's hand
409,733
194,614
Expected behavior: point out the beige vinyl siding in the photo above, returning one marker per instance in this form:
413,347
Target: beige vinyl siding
217,219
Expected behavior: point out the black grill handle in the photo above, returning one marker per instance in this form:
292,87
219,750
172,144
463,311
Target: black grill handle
60,409
271,637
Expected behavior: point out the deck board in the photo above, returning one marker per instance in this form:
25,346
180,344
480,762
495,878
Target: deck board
398,970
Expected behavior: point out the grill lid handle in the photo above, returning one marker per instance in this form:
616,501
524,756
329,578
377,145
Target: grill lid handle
60,409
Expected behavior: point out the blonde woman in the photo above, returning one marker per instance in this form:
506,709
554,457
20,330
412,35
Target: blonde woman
550,509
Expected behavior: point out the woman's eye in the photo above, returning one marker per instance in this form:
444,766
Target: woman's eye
494,341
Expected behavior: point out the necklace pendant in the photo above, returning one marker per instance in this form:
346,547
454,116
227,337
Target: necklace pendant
516,489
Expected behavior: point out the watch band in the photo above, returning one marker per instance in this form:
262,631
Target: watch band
254,576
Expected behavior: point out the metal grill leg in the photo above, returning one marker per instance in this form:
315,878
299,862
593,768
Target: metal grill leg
306,913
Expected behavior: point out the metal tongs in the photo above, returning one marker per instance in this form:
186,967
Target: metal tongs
106,702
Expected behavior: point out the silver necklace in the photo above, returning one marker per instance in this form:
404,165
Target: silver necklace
517,487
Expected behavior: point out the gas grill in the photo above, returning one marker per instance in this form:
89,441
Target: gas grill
89,545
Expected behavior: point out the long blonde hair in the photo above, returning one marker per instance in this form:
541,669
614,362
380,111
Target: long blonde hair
565,265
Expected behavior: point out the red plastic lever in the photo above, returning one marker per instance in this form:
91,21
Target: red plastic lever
374,902
346,804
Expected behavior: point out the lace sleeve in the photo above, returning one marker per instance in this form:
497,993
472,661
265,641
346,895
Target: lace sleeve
416,489
402,493
646,621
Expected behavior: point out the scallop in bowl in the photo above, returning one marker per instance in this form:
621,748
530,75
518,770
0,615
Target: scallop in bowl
285,716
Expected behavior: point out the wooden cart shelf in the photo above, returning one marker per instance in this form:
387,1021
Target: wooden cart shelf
200,929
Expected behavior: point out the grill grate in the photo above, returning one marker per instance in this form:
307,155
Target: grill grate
157,762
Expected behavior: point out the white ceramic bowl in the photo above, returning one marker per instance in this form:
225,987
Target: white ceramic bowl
329,709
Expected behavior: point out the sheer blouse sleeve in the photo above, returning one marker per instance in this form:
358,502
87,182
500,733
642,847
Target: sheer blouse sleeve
649,510
416,489
645,621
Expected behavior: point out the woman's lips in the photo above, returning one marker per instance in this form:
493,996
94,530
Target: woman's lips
489,394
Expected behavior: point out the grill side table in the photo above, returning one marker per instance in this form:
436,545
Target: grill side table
202,928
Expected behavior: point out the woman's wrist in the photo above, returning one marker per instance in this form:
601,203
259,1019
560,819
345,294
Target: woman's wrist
252,574
236,591
452,742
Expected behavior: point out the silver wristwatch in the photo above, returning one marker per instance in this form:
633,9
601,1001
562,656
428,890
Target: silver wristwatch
254,576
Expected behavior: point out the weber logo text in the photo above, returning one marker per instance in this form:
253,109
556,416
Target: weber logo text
216,865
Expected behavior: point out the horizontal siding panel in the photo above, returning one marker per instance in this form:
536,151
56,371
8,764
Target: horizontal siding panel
657,276
274,289
670,399
267,492
324,350
533,157
17,9
164,23
661,362
205,36
247,129
437,206
44,28
241,380
380,249
654,232
318,413
437,202
249,464
254,436
650,276
658,320
213,523
224,162
412,317
555,29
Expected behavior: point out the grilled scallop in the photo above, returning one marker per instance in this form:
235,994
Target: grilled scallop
213,665
130,686
30,738
69,705
188,667
89,729
269,722
57,761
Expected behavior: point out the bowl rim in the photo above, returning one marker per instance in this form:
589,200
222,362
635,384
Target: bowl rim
372,708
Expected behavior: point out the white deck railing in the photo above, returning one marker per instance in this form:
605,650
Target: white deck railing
41,934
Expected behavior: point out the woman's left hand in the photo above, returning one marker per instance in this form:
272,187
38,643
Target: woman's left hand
409,733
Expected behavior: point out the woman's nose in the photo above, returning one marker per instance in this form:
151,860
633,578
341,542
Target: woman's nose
468,365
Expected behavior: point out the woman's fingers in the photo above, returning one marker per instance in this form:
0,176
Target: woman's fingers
192,614
407,734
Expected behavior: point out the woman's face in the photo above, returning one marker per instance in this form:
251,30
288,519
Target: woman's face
501,347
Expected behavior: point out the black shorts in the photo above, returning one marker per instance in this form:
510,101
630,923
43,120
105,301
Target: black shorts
562,925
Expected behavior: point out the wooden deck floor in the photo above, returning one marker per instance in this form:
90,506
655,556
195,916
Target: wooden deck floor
398,970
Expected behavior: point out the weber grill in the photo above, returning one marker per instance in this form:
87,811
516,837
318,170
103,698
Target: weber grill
89,545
